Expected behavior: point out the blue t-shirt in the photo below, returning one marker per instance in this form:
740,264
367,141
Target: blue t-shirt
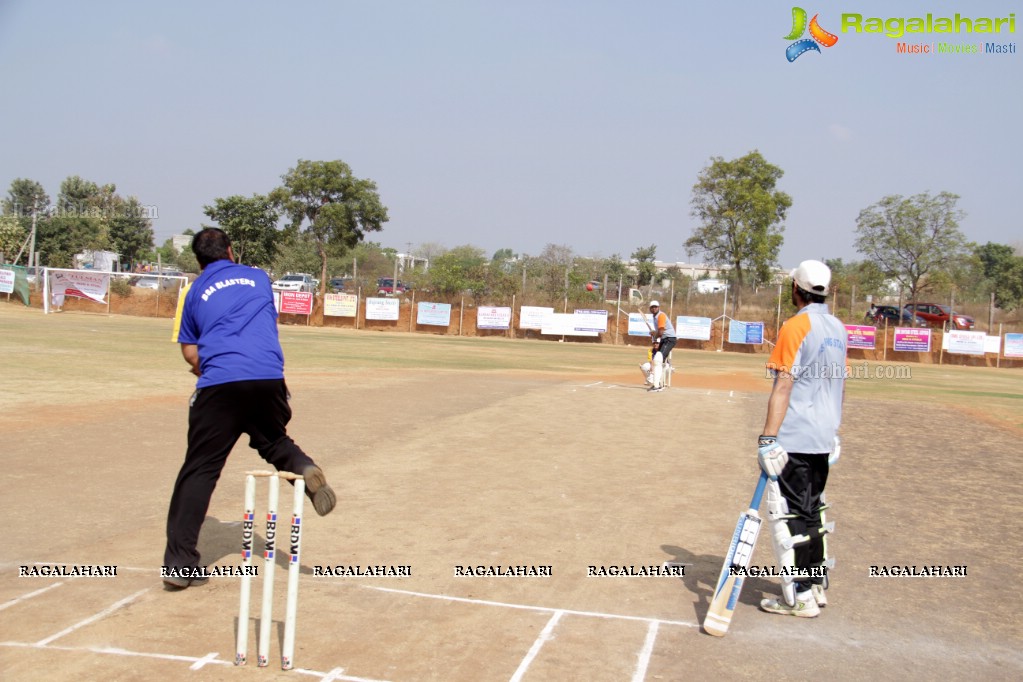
229,314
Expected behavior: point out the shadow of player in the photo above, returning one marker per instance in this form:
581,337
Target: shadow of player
702,571
220,540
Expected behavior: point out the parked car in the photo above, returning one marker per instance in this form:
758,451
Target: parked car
296,281
385,287
153,282
710,286
878,314
340,284
937,315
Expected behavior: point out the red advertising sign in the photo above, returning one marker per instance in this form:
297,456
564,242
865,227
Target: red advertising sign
297,302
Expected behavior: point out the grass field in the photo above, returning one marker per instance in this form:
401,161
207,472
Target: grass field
450,451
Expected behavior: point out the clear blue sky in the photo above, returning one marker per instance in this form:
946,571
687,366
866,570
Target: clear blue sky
511,124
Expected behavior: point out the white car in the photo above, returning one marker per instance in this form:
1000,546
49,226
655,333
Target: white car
296,281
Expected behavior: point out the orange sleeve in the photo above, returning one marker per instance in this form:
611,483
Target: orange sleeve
662,322
789,340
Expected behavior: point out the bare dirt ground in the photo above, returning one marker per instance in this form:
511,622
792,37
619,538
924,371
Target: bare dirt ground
560,459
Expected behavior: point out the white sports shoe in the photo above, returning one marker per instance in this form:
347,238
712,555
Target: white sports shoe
819,595
805,606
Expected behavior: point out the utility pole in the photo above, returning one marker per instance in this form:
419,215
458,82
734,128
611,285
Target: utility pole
32,243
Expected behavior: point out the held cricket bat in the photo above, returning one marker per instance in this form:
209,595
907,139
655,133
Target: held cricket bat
645,321
729,585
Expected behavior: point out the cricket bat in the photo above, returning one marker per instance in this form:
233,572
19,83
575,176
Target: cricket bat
729,585
645,321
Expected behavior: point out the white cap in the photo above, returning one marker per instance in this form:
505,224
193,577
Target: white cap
812,276
655,303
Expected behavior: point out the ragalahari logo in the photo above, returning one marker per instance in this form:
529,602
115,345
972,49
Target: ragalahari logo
817,35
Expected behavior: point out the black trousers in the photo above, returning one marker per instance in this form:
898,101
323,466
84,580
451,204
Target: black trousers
665,347
802,483
218,416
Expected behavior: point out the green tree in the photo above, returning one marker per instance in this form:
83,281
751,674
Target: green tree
23,197
645,268
336,207
12,237
131,231
551,271
913,240
504,260
1003,273
741,214
61,237
617,271
463,268
251,223
298,254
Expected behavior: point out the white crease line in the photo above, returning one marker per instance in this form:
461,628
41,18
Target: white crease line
208,658
527,607
544,636
335,674
109,650
185,659
644,654
22,598
92,619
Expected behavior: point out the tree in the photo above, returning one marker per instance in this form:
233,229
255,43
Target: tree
551,269
23,196
61,237
741,214
298,254
616,270
12,237
337,208
463,268
645,268
131,231
1003,271
251,223
912,240
504,260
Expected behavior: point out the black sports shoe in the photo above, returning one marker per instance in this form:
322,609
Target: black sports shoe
176,583
318,490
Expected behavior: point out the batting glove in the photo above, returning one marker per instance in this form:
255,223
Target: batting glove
772,457
836,452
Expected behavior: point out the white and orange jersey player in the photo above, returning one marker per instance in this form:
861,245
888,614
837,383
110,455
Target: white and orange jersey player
662,336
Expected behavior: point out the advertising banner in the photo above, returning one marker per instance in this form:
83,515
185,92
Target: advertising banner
436,314
860,336
340,305
489,317
696,328
912,339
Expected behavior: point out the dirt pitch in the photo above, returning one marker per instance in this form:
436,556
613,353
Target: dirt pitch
453,452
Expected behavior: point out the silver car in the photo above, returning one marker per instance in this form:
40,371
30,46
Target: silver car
295,282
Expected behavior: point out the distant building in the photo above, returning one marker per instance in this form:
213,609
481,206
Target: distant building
180,242
107,261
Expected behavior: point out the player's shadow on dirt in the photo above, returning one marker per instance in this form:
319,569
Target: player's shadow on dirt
223,539
701,576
